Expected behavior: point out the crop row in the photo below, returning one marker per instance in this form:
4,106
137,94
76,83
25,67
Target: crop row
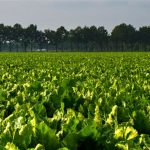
74,101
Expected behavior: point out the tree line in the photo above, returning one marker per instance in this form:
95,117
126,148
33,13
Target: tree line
122,38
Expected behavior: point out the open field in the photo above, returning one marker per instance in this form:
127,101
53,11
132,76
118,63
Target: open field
73,101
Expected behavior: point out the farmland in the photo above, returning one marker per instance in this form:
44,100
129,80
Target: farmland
73,101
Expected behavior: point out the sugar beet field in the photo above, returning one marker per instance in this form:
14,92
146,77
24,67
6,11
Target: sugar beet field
75,101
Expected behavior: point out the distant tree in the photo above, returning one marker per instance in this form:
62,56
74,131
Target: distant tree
85,36
77,36
17,35
25,39
93,37
48,35
102,36
40,39
29,36
61,36
51,38
123,34
123,37
9,36
71,38
144,36
2,36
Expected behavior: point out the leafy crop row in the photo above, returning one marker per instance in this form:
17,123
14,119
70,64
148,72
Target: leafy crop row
73,101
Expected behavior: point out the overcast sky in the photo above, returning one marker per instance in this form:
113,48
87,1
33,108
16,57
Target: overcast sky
72,13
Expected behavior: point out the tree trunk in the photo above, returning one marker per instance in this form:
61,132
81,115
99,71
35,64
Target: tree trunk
62,47
71,46
86,46
56,47
47,47
25,47
0,46
10,46
17,47
78,47
31,46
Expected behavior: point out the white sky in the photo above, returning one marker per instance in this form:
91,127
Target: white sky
72,13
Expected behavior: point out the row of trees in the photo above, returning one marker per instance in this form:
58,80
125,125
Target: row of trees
122,38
